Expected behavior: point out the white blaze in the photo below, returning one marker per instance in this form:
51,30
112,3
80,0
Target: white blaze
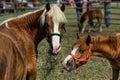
69,56
55,38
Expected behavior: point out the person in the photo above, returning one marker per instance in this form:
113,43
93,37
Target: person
88,9
89,5
4,6
77,4
107,10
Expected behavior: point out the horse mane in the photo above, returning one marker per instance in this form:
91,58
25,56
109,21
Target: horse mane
113,41
56,14
19,17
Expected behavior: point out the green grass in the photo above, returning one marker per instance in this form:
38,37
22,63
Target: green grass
95,69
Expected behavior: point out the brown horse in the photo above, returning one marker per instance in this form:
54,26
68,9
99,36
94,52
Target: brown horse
102,46
20,36
90,16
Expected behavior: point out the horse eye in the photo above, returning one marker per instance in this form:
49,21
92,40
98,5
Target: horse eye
72,48
63,27
46,25
63,24
81,51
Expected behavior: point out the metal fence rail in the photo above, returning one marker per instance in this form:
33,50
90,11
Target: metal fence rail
114,16
71,13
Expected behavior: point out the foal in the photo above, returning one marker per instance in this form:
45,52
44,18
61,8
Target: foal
88,16
101,46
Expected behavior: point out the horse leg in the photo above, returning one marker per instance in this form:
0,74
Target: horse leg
89,23
79,27
100,24
115,74
31,68
115,69
89,28
31,73
83,28
100,28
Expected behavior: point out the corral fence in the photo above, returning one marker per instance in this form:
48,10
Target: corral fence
70,12
114,16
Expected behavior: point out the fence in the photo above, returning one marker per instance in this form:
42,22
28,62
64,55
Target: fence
71,13
114,16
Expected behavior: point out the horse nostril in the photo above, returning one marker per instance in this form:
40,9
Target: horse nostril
59,47
70,65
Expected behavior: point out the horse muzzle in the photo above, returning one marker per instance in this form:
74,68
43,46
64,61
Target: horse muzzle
56,49
69,65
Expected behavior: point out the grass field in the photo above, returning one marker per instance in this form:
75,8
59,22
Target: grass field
50,67
95,69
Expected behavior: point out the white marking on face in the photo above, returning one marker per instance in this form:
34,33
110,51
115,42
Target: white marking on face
56,27
69,56
55,38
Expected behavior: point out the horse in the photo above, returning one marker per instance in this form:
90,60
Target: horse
20,36
88,16
101,46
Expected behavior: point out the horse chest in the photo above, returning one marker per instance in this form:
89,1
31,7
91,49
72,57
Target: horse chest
116,62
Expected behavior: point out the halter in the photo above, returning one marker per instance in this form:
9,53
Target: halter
55,34
49,39
81,60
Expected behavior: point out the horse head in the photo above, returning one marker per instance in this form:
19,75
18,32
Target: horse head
54,22
81,51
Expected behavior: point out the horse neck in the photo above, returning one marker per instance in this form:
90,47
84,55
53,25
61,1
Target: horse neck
39,31
32,26
102,47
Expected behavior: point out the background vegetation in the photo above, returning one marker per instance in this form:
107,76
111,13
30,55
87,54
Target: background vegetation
50,68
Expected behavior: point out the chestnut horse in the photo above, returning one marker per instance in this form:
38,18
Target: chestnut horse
89,16
101,46
20,36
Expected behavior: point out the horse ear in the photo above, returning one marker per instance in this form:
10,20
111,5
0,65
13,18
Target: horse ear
78,36
48,6
62,7
88,40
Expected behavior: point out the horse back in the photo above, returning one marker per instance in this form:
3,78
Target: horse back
95,14
12,62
